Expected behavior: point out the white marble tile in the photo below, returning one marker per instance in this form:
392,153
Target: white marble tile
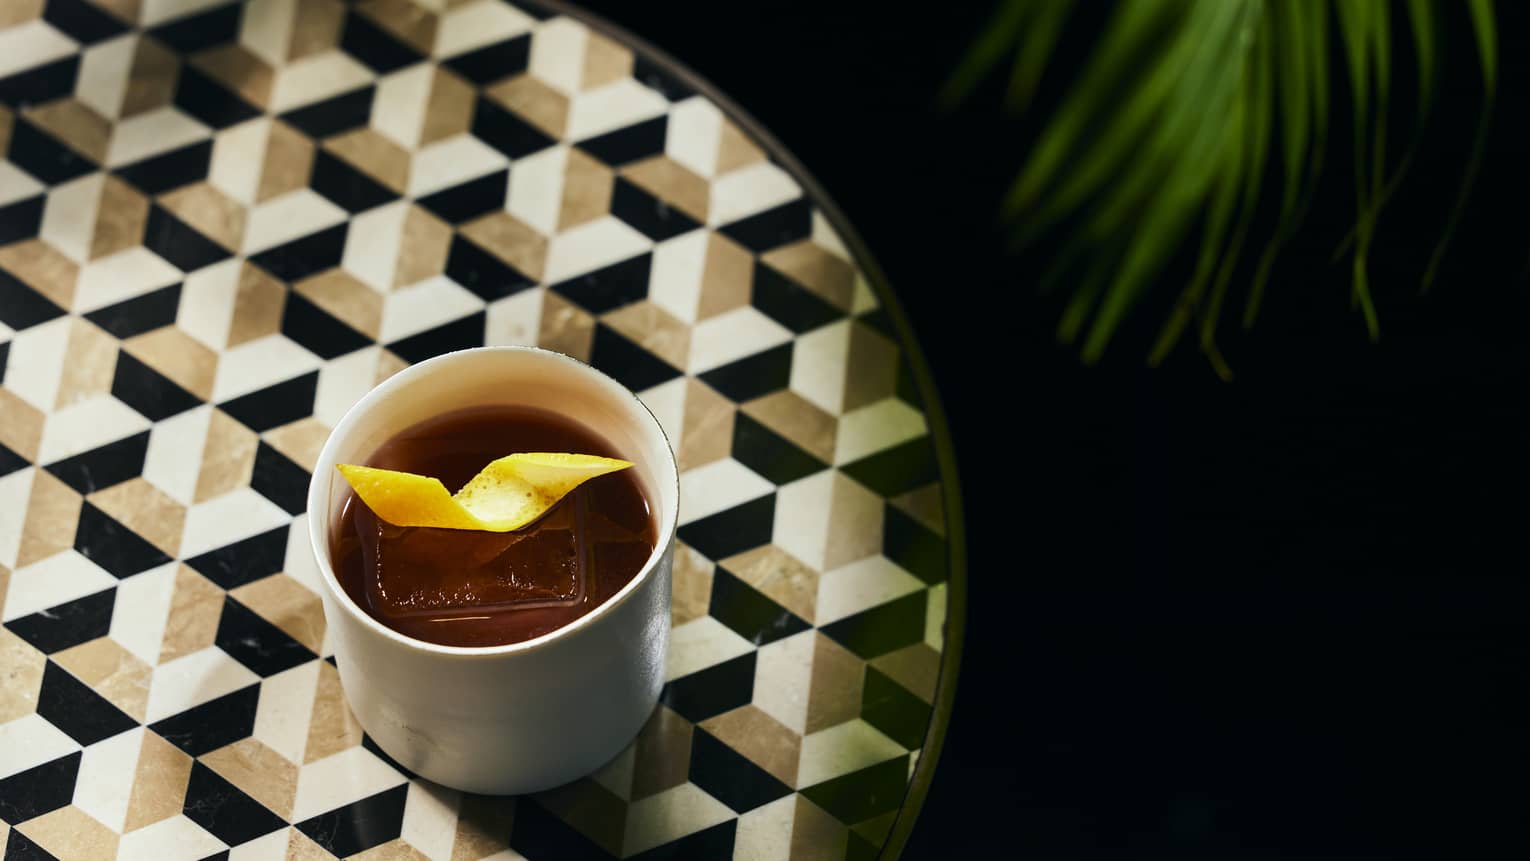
151,133
207,302
430,820
313,79
591,246
194,679
15,184
30,741
238,156
158,11
174,457
702,643
256,364
265,28
819,362
425,305
87,424
765,833
36,363
452,162
271,847
105,780
69,215
287,217
613,106
733,335
15,490
875,427
514,320
340,779
128,273
32,44
748,190
694,135
398,108
935,618
231,517
342,382
670,815
841,749
536,188
285,709
861,585
52,581
557,53
718,486
674,282
783,671
141,610
478,24
176,837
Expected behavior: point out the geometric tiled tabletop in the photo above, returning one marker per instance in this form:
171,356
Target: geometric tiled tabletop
222,223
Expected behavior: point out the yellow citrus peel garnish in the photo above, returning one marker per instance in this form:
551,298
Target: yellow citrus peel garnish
509,493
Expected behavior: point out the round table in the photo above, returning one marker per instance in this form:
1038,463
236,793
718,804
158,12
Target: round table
221,224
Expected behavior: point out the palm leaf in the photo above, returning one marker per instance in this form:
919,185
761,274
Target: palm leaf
1164,139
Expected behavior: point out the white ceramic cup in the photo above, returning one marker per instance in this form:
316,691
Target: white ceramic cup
526,716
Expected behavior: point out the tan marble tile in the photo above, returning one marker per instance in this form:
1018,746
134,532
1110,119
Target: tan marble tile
52,513
234,66
830,277
735,149
565,327
534,102
332,728
316,28
183,359
727,276
92,363
875,830
423,246
373,154
288,162
915,667
653,329
42,268
926,505
394,850
111,671
483,827
76,124
605,61
816,836
21,425
159,783
151,78
591,809
301,848
19,12
761,739
663,754
691,591
258,304
213,213
120,218
196,606
258,771
414,25
70,832
21,671
673,183
779,576
349,300
871,368
287,604
799,420
448,109
834,692
7,122
587,186
511,240
146,510
300,441
855,520
707,428
228,457
125,10
388,364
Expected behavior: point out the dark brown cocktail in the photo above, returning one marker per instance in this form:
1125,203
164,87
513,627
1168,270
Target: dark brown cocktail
471,588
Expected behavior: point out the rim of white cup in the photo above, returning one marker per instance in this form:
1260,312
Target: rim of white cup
318,495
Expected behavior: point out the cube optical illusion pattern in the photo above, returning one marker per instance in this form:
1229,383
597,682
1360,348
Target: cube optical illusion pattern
221,224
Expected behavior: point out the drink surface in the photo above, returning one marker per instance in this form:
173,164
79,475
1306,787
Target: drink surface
469,588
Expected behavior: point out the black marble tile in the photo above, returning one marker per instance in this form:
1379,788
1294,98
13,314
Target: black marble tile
908,387
209,101
304,256
894,710
880,321
913,547
763,231
893,471
38,790
218,856
638,141
21,307
609,287
333,115
213,724
280,480
861,795
103,466
359,826
79,712
726,775
317,331
144,389
506,132
140,314
456,335
40,84
192,33
753,376
244,561
769,454
82,21
484,274
628,363
180,243
117,549
710,692
21,220
19,847
374,47
750,613
647,214
259,645
858,848
656,77
223,810
493,62
883,628
43,156
730,532
10,461
470,199
275,405
345,186
371,745
5,354
789,303
68,624
537,833
714,842
169,171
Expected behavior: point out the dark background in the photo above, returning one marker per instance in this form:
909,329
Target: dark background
1278,617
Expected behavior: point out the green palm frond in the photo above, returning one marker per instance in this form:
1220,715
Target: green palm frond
1164,140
